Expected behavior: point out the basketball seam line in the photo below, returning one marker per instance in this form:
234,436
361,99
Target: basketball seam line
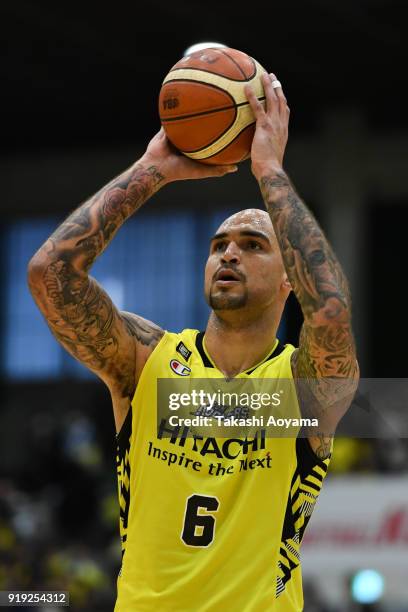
208,112
224,147
209,72
234,62
216,87
229,126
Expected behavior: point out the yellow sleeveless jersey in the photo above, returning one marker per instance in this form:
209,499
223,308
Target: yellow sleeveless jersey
210,524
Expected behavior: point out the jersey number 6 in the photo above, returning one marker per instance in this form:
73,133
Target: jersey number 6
198,529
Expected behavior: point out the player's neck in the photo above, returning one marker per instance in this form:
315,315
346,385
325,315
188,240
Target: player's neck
237,346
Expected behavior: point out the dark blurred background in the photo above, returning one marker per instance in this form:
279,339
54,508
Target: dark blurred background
80,83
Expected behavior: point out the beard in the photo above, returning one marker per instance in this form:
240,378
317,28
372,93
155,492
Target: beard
223,300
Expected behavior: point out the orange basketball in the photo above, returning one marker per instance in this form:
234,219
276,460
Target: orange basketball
203,107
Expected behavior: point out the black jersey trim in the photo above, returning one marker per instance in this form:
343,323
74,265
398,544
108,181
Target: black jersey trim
199,344
289,529
276,351
307,458
279,348
122,437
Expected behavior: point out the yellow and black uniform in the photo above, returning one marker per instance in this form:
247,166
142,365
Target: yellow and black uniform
210,524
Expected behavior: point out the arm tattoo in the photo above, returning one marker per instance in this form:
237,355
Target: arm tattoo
312,268
323,450
78,311
89,229
326,358
84,312
146,332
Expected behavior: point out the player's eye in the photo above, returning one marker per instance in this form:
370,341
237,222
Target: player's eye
219,246
254,246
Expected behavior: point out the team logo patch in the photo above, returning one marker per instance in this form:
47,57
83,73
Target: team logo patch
183,350
179,368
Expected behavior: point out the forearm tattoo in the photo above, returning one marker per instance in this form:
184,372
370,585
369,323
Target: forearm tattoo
89,229
313,270
326,355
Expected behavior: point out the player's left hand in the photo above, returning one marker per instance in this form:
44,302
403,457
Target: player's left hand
175,166
271,133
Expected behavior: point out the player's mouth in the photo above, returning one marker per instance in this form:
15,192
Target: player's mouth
225,277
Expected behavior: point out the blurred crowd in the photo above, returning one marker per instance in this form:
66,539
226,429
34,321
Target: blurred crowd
59,516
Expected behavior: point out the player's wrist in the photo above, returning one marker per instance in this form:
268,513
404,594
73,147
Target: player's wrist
266,168
156,168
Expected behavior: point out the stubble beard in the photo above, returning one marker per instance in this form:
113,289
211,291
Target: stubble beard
225,301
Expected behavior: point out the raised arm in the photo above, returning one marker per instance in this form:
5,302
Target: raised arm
115,345
325,363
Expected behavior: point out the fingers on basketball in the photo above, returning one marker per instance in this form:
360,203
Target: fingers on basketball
257,107
279,93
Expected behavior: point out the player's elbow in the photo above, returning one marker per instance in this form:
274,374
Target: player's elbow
36,269
336,310
333,312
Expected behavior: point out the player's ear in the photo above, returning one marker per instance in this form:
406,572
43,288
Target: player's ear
286,283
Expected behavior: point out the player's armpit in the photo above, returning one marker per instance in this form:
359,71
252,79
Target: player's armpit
326,373
146,333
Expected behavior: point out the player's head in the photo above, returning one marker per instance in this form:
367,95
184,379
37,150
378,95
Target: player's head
244,269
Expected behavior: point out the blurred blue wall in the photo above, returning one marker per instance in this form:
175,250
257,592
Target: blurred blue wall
154,267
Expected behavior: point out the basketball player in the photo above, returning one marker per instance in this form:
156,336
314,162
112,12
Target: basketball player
211,524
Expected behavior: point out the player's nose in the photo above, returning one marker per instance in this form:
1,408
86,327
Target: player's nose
231,253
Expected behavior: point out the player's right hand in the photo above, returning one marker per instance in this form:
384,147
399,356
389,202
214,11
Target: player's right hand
271,131
174,166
